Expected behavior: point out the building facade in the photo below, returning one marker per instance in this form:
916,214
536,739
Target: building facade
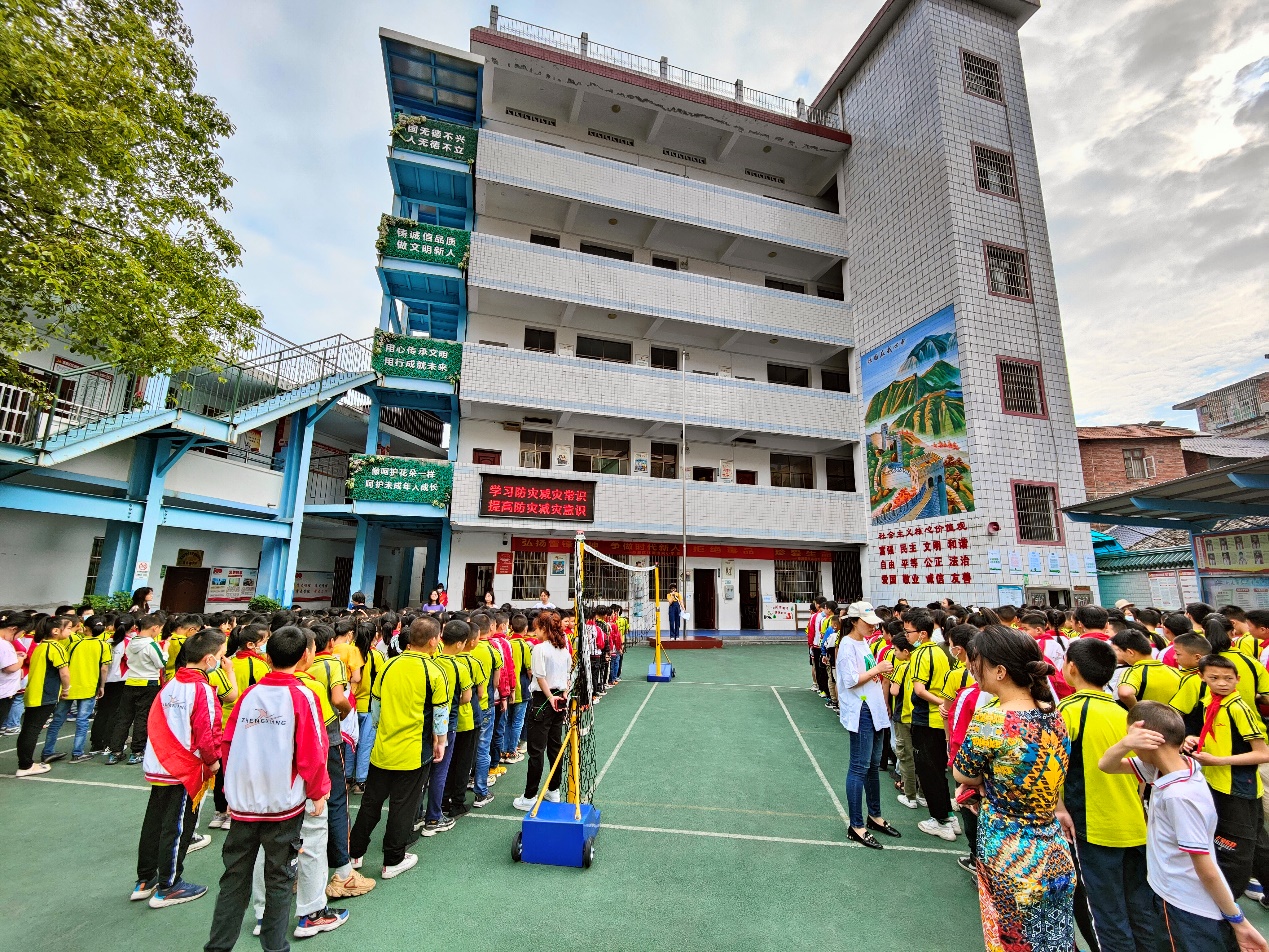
1239,410
1116,459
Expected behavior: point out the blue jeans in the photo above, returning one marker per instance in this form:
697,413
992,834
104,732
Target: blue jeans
862,777
15,713
440,773
614,668
483,743
1119,897
60,713
515,724
366,728
499,744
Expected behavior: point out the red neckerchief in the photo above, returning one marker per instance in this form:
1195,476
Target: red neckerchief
1209,719
248,653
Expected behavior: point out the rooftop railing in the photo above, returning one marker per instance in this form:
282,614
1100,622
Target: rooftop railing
661,69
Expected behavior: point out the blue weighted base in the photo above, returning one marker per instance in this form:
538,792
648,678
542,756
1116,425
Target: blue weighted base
555,837
664,675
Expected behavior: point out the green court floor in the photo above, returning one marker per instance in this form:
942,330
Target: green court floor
723,829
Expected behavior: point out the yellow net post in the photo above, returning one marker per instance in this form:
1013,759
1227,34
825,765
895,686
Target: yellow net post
656,609
574,705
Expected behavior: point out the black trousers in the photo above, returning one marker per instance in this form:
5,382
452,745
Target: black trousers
104,715
33,721
460,767
1242,847
134,709
166,832
888,758
544,725
929,749
821,671
401,790
281,842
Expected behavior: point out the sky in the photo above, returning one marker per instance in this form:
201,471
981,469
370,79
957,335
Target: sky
1151,121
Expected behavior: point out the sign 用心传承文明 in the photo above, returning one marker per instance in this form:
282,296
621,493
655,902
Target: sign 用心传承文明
419,358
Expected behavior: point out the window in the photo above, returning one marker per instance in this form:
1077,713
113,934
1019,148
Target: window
535,449
776,284
1035,505
1137,465
982,76
665,358
528,574
994,172
833,294
746,477
486,457
840,473
792,472
667,571
796,581
588,248
1007,272
603,582
789,376
548,241
596,348
94,565
665,460
703,474
837,381
670,264
1021,390
539,340
595,454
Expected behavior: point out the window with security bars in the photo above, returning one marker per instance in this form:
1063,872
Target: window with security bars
667,569
1036,507
994,171
528,574
792,472
94,565
1137,465
605,582
1007,272
982,76
1021,389
796,581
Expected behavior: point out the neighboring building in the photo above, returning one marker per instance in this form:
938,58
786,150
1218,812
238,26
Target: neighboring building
1241,409
1161,578
1116,459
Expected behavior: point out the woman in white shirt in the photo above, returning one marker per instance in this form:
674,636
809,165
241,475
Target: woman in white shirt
544,716
862,711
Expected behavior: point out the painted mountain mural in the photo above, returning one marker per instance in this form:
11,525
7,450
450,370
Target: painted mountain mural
932,347
903,395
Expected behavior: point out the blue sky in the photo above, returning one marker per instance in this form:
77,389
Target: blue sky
1151,120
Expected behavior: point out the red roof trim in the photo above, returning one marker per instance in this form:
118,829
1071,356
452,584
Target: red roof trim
484,35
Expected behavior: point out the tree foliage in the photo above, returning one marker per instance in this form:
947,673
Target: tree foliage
110,184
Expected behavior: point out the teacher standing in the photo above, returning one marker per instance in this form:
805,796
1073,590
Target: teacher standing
676,609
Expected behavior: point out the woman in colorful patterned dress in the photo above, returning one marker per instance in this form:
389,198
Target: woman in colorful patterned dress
1016,753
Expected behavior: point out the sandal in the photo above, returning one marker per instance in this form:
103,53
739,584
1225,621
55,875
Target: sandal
883,827
863,839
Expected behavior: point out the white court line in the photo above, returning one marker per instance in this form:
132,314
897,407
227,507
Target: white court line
841,811
87,783
726,684
629,727
39,745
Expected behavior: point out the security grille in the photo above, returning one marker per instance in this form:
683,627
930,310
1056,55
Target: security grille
1007,272
1037,512
982,76
528,574
1020,389
995,171
796,581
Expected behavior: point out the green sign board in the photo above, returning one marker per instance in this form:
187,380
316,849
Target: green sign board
435,244
428,482
435,137
420,358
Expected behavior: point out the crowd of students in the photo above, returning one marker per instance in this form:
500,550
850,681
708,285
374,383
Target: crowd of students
1105,764
283,717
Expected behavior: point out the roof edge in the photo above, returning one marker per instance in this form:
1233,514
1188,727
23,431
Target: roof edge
387,34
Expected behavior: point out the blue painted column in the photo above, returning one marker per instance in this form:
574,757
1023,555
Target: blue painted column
441,558
294,503
119,551
366,558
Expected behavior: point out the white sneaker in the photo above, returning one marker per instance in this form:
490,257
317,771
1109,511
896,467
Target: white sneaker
905,802
932,826
524,804
356,862
33,770
956,824
553,796
523,748
218,821
408,862
921,800
198,842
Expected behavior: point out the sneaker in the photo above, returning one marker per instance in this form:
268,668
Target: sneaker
524,804
484,801
81,758
198,842
10,731
1254,890
356,862
112,758
53,758
491,779
968,863
97,753
497,771
176,894
324,920
228,822
357,789
258,927
134,759
905,802
33,770
141,891
355,885
432,827
408,862
956,824
553,796
921,800
513,758
522,749
932,826
218,821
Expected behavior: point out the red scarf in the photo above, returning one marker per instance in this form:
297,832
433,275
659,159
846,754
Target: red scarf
1209,719
176,759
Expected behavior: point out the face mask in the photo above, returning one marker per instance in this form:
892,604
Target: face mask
214,668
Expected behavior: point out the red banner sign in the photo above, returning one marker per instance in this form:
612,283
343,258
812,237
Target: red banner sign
505,564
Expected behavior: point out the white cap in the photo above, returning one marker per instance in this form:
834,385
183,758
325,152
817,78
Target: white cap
863,610
1122,604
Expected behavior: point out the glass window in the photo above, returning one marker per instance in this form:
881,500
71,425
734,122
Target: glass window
549,241
840,474
539,340
1137,465
1020,389
667,569
837,381
703,474
994,171
1036,506
796,581
665,358
670,264
535,449
589,248
596,348
789,376
833,294
597,454
746,477
94,565
1007,272
777,285
792,472
665,460
528,574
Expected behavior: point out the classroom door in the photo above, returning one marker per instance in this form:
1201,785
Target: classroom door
704,600
478,580
184,590
750,600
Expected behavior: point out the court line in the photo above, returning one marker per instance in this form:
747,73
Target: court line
841,811
629,727
85,783
39,745
727,684
693,806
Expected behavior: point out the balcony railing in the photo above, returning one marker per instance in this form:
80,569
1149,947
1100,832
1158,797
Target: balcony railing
662,69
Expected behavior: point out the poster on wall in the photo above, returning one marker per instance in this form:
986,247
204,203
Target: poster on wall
1055,564
229,584
914,426
781,614
1246,593
1035,562
1090,564
1015,561
505,564
1189,586
993,561
1009,594
314,587
1244,553
1164,591
640,465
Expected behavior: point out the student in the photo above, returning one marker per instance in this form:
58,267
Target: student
966,697
413,723
178,630
675,601
901,722
459,678
1190,650
182,753
819,673
367,640
47,683
1174,626
144,661
10,662
1101,813
504,680
546,709
522,662
224,682
1253,679
1146,679
467,732
1090,622
927,670
88,659
274,756
488,661
1258,628
1194,906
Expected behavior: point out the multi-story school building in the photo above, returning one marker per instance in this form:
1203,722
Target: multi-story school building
778,348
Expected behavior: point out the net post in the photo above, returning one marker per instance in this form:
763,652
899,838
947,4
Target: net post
575,713
656,608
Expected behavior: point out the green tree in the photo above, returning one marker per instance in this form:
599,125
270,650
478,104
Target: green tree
110,184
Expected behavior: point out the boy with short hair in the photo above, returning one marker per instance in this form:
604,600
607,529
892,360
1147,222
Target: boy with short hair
182,753
1146,679
466,734
927,670
145,661
489,661
522,661
328,676
1195,908
458,674
901,723
48,683
88,660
